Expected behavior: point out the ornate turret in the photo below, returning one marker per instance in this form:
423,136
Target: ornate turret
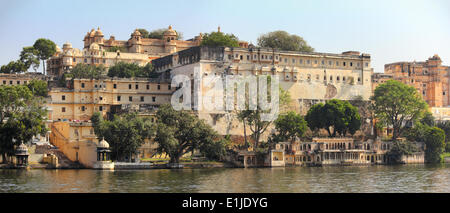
67,46
170,34
136,41
99,32
99,36
22,154
103,144
435,60
103,151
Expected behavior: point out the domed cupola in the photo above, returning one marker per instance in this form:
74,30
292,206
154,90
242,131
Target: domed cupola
67,46
99,32
103,144
170,34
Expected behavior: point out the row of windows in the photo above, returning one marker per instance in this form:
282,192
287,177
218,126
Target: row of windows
317,77
299,61
130,98
83,108
169,87
11,82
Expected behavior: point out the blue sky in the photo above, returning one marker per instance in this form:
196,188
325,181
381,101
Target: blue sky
401,30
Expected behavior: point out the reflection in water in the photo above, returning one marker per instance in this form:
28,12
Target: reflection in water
401,178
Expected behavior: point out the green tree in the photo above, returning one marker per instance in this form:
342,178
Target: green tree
353,119
315,118
290,126
14,67
38,87
125,133
179,132
336,116
45,49
284,41
428,119
417,132
395,104
159,34
21,117
253,119
219,39
445,125
399,149
86,71
143,32
435,144
29,56
130,70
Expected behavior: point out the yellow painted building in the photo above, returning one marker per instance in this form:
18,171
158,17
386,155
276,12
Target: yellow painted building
83,97
76,140
19,79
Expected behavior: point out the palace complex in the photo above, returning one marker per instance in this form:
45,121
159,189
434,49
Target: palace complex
430,78
309,77
98,51
82,97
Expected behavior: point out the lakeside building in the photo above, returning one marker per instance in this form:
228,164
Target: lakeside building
380,78
20,79
338,151
82,97
309,78
430,78
99,51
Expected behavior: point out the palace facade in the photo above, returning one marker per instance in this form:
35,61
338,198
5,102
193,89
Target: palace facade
309,78
430,78
82,97
20,79
99,51
338,151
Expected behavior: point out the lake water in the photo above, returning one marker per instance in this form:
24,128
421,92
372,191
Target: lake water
401,178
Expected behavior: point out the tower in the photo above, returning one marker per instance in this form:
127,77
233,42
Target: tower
136,41
170,36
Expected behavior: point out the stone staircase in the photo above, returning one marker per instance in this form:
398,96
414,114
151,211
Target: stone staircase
64,162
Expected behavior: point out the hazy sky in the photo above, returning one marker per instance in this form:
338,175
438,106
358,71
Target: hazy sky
390,31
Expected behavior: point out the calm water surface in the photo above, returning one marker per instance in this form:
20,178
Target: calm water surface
402,178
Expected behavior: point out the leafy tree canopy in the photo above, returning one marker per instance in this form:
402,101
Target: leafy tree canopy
336,116
130,70
45,49
395,104
157,34
14,67
284,41
435,144
125,134
400,148
428,119
86,71
219,39
179,132
445,125
29,56
290,126
21,117
38,87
